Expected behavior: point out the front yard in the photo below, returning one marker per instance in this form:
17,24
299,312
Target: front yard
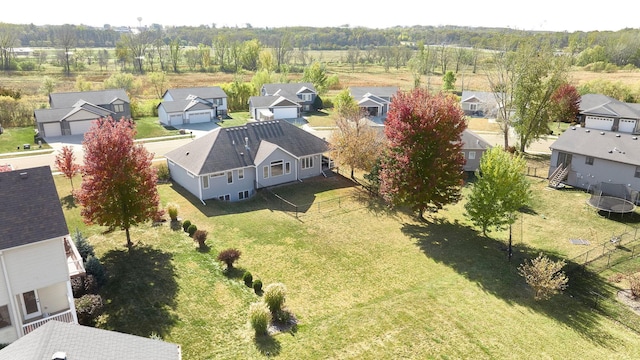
364,282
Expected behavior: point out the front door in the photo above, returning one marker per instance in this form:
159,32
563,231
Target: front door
31,304
564,159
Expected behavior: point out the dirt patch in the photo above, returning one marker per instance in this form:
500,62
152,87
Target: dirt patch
625,297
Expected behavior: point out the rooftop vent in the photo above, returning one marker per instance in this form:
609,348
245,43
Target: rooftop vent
635,138
573,128
24,175
587,130
617,135
59,355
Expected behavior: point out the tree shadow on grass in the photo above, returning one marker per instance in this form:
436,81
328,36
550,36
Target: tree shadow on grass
141,291
68,202
267,345
484,261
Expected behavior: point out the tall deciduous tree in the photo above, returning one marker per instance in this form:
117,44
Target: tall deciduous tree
423,167
500,189
118,183
65,37
565,103
316,74
65,162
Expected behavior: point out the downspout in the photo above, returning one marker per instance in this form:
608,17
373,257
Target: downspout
12,300
200,190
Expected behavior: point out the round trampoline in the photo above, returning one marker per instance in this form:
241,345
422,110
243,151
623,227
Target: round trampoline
611,204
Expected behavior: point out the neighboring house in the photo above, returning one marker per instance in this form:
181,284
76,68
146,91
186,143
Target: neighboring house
601,112
230,164
304,94
61,341
192,106
583,157
473,148
37,255
479,103
375,100
275,107
73,113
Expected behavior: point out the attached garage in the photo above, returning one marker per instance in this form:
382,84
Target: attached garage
52,129
627,125
199,117
175,119
599,123
80,127
285,113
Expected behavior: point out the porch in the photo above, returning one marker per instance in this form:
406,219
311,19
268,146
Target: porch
63,316
74,260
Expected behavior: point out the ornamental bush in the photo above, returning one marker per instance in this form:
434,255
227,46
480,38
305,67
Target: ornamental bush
192,229
88,308
259,317
200,236
229,256
257,286
274,297
172,209
185,225
247,278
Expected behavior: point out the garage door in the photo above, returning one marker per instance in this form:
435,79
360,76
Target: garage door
627,125
599,123
199,117
175,119
285,113
52,129
80,127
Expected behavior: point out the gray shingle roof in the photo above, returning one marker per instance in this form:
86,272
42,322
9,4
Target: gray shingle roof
185,105
358,92
272,101
224,148
210,92
59,114
84,342
598,104
287,89
613,146
471,141
102,97
31,209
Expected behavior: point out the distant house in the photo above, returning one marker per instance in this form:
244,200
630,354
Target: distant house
274,107
230,164
304,94
192,106
602,112
61,341
479,103
37,255
473,148
375,100
73,113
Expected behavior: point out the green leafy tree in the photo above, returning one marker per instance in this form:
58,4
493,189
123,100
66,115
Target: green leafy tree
159,81
500,189
448,81
344,104
118,180
423,165
545,276
316,74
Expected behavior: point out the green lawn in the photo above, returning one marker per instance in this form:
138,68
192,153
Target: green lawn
364,282
11,138
150,127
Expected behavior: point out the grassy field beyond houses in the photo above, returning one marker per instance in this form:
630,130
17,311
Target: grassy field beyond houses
363,281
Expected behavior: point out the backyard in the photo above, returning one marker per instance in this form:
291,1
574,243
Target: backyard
364,281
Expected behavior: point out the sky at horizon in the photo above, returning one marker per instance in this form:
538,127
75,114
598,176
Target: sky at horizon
543,15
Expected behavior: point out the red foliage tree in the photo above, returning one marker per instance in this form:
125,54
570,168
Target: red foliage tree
118,181
565,103
65,162
423,166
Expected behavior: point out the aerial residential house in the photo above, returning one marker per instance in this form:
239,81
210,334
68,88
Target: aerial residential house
375,100
230,164
603,149
304,94
37,255
192,106
473,148
73,113
61,341
276,107
479,103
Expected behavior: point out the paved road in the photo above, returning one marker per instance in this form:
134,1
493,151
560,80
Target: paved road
159,148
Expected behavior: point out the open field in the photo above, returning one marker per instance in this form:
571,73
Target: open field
364,281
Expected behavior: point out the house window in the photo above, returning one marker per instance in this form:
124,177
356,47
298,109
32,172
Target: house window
287,168
205,182
589,160
240,174
217,102
637,172
224,197
473,107
5,319
118,108
277,168
265,172
217,174
243,195
472,155
307,162
229,177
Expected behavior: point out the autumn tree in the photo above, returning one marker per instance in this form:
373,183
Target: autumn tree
423,165
545,276
118,180
565,103
355,143
65,162
500,189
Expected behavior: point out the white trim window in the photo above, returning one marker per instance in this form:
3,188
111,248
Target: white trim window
229,177
287,168
265,172
277,168
240,174
472,155
205,182
589,160
243,195
637,174
118,108
307,162
224,197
